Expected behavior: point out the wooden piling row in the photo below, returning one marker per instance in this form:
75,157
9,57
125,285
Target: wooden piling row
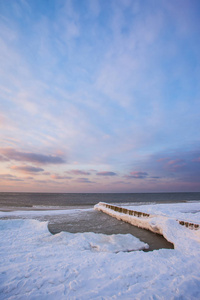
189,225
126,211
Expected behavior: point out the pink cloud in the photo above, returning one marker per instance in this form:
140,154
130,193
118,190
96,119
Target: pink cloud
60,177
137,175
163,159
84,180
8,177
12,154
105,173
78,172
196,159
176,164
175,161
121,182
27,169
2,158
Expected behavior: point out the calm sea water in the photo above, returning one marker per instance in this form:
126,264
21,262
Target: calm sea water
67,199
85,220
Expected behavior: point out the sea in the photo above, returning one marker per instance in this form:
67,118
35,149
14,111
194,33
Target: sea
89,199
80,215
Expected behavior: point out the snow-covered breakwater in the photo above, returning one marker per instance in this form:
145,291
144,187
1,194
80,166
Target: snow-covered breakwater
136,218
146,217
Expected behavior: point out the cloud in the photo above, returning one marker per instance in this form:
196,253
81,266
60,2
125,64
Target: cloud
84,180
196,159
8,177
94,7
77,172
106,173
137,175
60,177
46,173
176,164
181,164
123,91
163,159
2,158
13,154
121,182
40,181
27,169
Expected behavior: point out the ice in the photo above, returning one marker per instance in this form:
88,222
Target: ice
38,265
164,220
182,211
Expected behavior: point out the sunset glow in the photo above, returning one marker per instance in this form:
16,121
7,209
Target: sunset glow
100,96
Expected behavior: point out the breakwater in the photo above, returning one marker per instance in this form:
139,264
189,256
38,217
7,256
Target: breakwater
140,219
136,218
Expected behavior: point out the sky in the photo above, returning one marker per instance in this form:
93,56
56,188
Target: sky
100,96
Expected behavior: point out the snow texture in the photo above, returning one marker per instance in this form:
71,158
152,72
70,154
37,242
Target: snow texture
38,265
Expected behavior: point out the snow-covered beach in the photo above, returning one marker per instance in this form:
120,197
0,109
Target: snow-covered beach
38,265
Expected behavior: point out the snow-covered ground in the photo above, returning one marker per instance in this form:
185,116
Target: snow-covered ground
38,265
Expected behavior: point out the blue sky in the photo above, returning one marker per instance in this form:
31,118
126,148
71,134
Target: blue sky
100,96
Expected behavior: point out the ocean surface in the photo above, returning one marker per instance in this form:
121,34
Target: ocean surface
82,218
90,199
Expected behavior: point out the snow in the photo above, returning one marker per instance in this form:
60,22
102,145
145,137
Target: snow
164,220
183,211
38,265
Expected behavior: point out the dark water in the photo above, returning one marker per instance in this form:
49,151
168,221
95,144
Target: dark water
103,223
90,220
65,199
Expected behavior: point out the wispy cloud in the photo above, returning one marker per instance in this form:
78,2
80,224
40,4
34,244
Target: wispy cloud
46,173
176,164
78,172
137,175
121,182
2,158
84,180
8,177
196,159
60,177
111,85
12,154
27,169
106,173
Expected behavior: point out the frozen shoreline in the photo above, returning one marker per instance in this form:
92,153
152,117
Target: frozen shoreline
38,265
157,218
